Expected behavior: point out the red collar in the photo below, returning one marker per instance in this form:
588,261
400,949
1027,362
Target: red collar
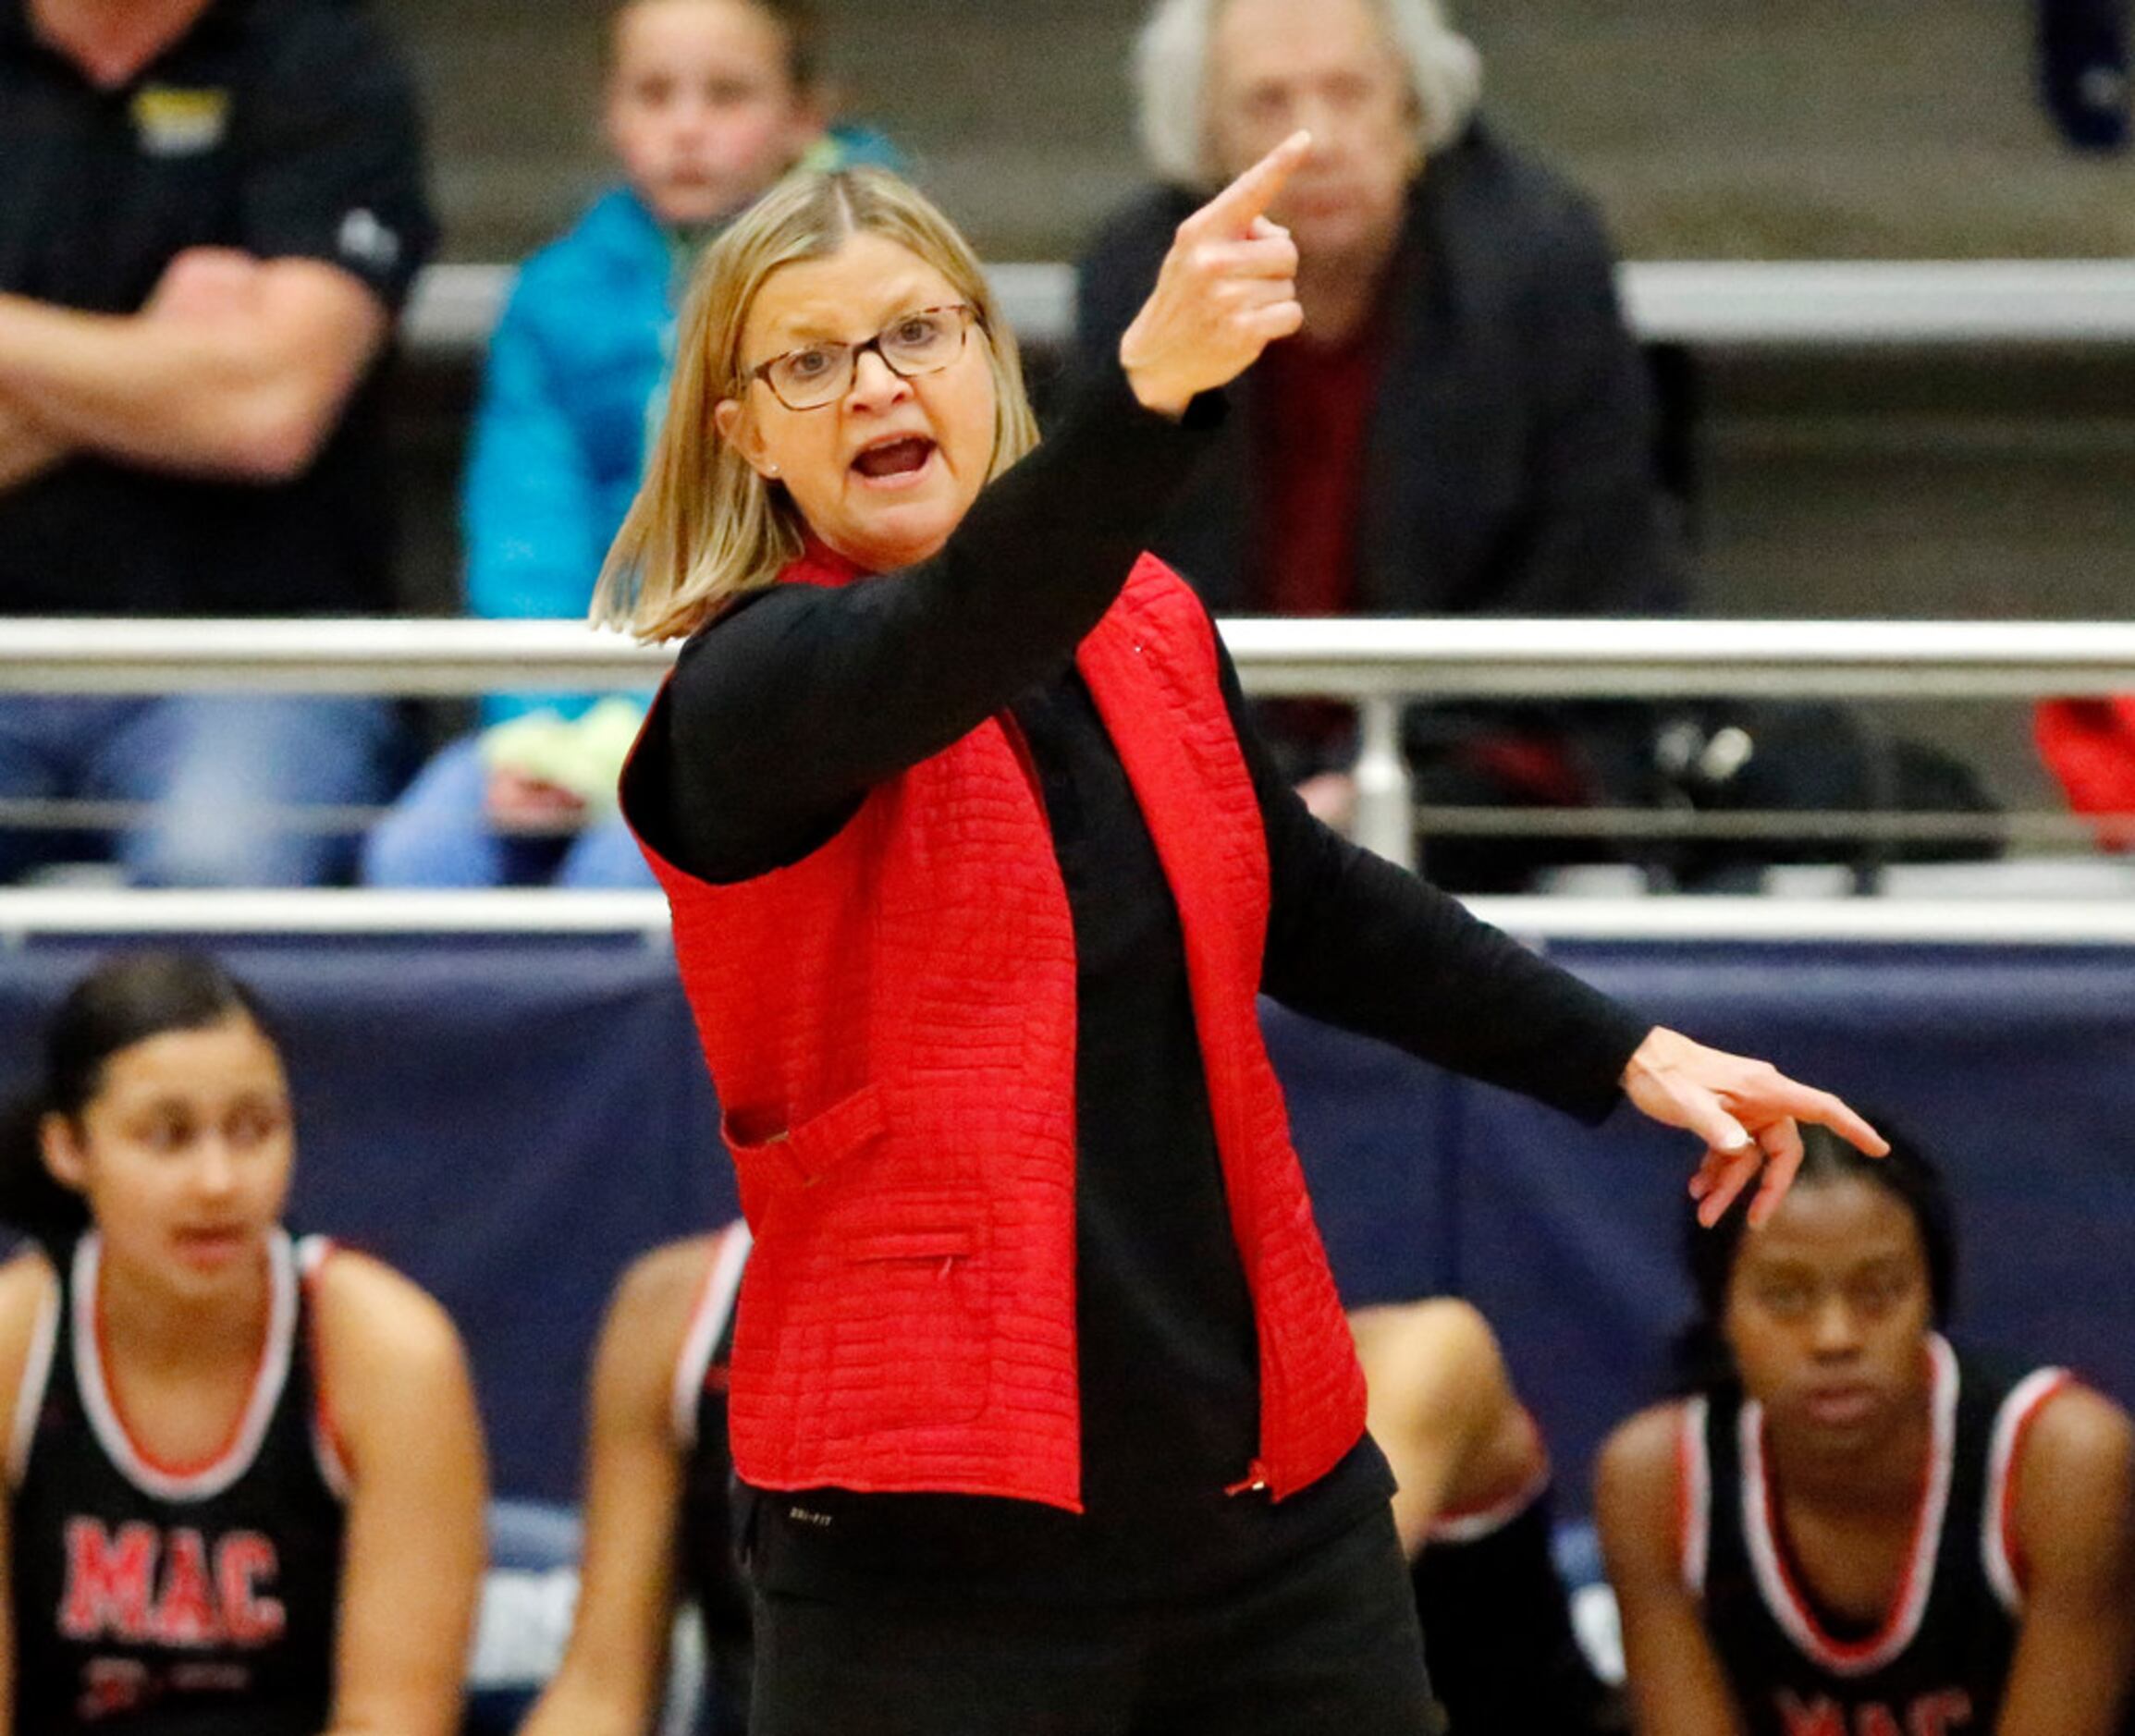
821,565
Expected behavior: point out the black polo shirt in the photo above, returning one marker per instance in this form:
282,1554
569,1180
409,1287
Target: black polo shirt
286,129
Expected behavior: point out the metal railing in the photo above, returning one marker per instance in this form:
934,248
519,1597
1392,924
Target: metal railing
1379,664
1353,657
1705,303
117,914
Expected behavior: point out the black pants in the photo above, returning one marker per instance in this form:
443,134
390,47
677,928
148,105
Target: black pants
1327,1643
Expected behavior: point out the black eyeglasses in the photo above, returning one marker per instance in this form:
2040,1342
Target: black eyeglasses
924,341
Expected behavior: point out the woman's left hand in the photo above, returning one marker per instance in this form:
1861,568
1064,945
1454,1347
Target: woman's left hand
1744,1110
518,802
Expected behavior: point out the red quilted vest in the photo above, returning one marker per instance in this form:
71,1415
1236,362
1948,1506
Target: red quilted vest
890,1026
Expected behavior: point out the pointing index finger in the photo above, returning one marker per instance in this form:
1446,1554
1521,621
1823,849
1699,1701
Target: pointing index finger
1233,211
1805,1103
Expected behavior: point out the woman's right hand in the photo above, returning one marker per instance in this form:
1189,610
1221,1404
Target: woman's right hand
1227,290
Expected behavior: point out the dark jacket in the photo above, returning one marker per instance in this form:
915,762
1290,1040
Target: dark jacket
1511,443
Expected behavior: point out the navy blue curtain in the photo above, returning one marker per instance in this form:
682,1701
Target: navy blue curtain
510,1122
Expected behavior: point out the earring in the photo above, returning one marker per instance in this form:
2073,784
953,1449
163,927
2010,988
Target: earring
770,470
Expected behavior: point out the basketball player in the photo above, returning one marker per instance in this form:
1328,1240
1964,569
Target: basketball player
1850,1529
244,1478
1474,1512
656,1507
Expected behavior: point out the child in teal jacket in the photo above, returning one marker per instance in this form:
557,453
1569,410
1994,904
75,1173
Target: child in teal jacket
708,102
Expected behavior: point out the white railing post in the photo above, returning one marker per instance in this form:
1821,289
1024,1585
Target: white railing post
1384,806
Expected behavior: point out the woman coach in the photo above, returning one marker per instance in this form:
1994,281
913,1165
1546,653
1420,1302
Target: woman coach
976,869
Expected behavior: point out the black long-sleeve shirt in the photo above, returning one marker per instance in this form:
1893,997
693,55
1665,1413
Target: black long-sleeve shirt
780,718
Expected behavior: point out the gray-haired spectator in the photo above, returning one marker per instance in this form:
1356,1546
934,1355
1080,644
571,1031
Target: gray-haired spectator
1464,426
210,211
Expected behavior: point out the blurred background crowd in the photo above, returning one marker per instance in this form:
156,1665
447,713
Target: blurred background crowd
236,212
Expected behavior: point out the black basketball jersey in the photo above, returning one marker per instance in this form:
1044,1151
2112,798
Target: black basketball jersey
1939,1660
711,1574
157,1600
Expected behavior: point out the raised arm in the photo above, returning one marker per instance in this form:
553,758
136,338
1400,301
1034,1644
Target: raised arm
1675,1683
610,1678
1225,291
2075,1480
1357,942
783,715
397,1387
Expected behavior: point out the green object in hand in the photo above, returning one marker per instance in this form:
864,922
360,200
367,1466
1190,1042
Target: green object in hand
583,755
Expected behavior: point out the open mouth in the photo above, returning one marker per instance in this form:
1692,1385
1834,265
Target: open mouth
899,457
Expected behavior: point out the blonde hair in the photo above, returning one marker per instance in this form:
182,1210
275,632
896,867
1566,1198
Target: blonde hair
705,528
1172,82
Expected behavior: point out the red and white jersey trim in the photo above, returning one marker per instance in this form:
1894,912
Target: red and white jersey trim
311,1253
1997,1522
707,1322
1693,1494
29,1396
165,1482
1776,1586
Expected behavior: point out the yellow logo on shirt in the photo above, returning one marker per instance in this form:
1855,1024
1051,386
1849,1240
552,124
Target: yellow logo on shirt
173,122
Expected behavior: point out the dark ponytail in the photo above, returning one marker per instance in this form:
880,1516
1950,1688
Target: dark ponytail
126,999
31,1201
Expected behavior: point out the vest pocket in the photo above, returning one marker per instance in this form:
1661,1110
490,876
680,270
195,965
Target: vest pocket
946,1245
878,1272
801,1156
909,1319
